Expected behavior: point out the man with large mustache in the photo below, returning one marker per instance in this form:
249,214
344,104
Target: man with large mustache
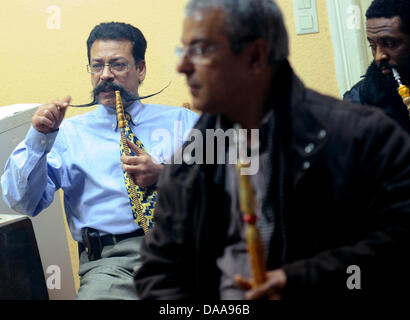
388,34
81,155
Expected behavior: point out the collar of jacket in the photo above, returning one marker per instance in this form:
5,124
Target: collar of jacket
302,133
308,132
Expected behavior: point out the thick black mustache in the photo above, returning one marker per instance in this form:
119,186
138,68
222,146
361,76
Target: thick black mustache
111,86
126,96
385,64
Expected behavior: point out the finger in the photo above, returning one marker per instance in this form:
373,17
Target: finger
53,113
43,122
62,106
242,283
47,112
269,289
131,160
66,102
255,294
46,117
258,293
135,148
63,103
134,169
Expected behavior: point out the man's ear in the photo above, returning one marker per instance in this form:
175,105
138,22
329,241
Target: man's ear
258,55
142,70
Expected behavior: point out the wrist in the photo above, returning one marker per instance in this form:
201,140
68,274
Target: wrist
40,141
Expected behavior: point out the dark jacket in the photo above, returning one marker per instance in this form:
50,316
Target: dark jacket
344,202
380,91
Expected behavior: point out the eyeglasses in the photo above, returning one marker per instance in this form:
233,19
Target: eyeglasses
198,53
116,67
201,53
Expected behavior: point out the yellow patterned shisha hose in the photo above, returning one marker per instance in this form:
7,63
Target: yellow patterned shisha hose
131,184
253,238
404,91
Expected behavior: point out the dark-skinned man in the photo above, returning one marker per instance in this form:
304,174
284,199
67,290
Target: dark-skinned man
388,34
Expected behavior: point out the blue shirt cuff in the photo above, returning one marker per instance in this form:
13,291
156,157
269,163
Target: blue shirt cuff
39,141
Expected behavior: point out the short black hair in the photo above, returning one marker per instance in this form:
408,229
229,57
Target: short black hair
390,9
119,31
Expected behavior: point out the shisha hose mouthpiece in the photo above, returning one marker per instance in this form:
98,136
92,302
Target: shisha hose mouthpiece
396,76
404,91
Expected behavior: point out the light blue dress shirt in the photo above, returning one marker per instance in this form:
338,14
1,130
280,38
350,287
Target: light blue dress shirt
83,159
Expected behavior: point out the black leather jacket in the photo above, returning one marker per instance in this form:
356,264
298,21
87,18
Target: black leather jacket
344,200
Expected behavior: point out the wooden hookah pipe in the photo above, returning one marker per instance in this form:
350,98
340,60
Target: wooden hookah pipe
253,238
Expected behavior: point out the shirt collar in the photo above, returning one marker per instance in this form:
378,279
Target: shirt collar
134,110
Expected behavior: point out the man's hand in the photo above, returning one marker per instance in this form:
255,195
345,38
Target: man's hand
142,167
48,117
272,288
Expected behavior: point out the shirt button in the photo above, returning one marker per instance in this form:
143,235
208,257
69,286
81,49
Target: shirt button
113,125
309,148
306,165
43,141
322,134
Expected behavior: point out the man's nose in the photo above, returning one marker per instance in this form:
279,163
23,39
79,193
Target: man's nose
106,74
380,55
185,65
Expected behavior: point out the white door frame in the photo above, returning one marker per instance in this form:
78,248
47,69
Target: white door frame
347,27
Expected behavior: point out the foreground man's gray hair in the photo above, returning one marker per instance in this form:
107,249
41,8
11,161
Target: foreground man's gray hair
250,19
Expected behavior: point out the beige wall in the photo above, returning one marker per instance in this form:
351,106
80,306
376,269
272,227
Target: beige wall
39,63
312,54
